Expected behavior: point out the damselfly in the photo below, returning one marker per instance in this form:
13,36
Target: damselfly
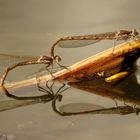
72,41
27,60
84,40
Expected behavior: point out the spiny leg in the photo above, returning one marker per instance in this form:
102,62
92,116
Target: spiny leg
55,108
133,107
39,80
40,88
114,44
50,88
58,97
120,111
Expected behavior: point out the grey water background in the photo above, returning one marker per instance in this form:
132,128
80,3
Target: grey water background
29,28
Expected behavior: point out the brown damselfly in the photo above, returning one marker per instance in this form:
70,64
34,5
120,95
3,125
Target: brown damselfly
71,41
84,40
26,60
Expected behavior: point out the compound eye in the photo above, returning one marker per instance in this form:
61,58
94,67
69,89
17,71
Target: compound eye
135,32
58,58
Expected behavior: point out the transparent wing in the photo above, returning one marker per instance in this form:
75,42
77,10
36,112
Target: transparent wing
84,40
43,72
79,107
8,59
84,108
11,104
76,43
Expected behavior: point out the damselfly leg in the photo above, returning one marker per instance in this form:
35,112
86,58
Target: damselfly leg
125,35
56,93
48,61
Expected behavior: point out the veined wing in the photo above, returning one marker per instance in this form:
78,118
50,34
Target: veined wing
76,43
11,104
8,59
83,108
42,72
79,107
84,40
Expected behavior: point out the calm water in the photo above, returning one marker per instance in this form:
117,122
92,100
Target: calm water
29,28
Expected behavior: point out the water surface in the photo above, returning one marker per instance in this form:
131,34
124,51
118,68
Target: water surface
29,28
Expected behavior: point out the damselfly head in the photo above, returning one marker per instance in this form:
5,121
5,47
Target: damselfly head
57,58
135,32
127,34
137,111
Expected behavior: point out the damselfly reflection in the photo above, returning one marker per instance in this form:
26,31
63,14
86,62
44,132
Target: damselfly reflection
122,110
50,94
54,96
115,90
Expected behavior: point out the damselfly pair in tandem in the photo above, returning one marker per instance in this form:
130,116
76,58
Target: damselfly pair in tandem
68,42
